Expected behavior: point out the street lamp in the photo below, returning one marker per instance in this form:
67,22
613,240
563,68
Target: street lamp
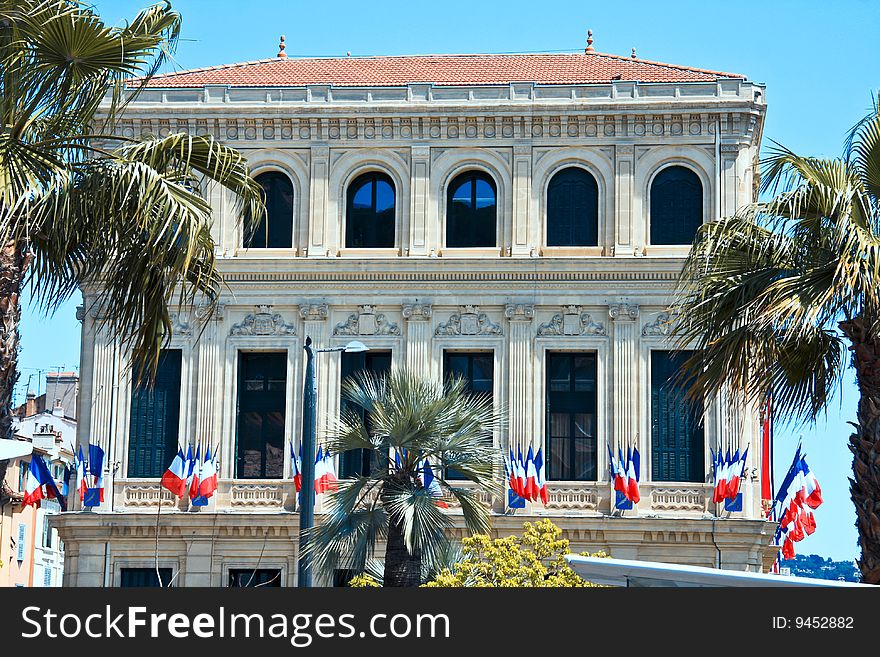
309,438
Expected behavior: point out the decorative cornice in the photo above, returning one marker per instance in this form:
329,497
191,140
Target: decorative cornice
572,321
366,322
469,321
263,322
314,312
519,312
623,312
417,312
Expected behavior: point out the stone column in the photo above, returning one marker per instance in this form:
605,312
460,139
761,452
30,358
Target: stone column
321,236
518,241
315,326
209,389
420,235
104,406
625,375
418,338
521,374
625,235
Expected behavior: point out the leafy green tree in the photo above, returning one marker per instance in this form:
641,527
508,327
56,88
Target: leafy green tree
779,297
536,559
405,418
80,205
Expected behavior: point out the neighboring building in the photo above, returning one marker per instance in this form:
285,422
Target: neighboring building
517,219
32,552
61,390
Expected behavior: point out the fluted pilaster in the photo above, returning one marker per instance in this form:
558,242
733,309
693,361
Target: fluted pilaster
418,337
624,372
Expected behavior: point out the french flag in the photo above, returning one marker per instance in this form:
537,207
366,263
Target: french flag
531,477
296,466
429,481
96,468
633,465
542,483
196,474
33,489
622,482
208,484
81,483
812,491
512,479
328,473
174,478
739,470
521,474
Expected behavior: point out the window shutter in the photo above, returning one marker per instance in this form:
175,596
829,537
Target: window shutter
677,437
155,419
47,577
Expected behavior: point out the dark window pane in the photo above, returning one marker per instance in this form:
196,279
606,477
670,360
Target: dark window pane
360,462
261,401
476,368
471,211
573,209
369,217
676,206
677,437
275,230
571,416
155,418
142,577
250,577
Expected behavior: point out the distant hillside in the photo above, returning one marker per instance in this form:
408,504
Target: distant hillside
812,565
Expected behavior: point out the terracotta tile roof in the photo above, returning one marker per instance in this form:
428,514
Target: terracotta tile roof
442,70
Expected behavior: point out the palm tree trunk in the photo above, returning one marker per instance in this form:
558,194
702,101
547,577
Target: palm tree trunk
401,567
865,443
13,263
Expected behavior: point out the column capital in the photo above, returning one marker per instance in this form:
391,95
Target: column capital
417,312
623,312
519,312
313,312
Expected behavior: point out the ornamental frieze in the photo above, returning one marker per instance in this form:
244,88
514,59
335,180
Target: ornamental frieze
366,322
468,321
662,326
263,322
571,321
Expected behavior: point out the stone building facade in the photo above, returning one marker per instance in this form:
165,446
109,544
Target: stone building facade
491,215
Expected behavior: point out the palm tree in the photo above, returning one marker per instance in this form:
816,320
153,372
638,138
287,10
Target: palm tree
776,296
404,419
82,206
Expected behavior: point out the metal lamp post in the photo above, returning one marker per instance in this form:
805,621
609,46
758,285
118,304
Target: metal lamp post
309,438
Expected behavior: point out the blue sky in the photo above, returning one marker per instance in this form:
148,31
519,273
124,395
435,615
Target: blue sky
819,61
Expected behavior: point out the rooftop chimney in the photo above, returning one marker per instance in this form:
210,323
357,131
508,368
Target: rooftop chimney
281,48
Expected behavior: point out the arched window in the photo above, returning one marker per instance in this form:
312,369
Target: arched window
573,209
369,216
471,211
275,230
676,206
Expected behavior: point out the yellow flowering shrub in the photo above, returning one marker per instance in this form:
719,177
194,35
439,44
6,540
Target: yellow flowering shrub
535,559
363,581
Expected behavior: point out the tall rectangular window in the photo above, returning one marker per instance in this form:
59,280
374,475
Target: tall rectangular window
359,462
571,416
262,392
677,443
250,577
141,577
477,370
155,418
